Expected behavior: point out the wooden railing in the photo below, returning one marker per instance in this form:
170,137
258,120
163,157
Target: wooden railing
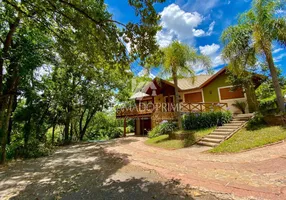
203,107
168,109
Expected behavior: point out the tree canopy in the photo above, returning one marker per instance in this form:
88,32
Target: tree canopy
84,50
252,36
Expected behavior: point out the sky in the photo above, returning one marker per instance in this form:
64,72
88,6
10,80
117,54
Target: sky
198,23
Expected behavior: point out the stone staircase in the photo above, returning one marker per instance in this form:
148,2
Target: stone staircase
222,133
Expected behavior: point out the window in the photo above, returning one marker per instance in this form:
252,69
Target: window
227,93
195,97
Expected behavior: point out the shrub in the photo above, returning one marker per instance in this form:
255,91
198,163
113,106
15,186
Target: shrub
256,123
194,121
268,106
241,105
163,128
154,132
34,149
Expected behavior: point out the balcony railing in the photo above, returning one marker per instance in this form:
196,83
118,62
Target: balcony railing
148,110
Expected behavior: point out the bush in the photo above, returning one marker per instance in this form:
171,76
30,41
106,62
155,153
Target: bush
114,132
193,121
256,123
154,132
241,105
163,128
34,149
268,106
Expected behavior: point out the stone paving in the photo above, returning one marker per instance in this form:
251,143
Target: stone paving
255,174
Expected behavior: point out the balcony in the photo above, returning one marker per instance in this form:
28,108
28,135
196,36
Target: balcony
168,109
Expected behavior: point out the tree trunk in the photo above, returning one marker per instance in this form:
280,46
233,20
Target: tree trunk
4,130
71,131
177,100
275,81
6,45
10,120
89,117
27,132
124,131
66,130
251,98
53,134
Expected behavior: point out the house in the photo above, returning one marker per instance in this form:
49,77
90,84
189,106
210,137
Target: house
155,99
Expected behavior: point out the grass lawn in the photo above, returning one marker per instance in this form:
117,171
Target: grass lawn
245,139
163,141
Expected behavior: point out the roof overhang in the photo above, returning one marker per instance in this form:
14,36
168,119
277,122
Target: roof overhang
138,95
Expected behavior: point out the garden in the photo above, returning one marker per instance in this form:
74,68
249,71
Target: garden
195,126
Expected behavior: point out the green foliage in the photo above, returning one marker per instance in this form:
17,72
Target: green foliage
177,58
256,30
103,126
33,149
194,121
241,105
163,128
256,123
62,63
267,98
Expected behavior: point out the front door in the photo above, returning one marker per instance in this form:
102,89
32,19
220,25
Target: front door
145,126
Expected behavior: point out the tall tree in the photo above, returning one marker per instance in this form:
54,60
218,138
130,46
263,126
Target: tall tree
254,34
81,29
242,61
179,60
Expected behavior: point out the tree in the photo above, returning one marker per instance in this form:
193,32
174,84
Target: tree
242,61
83,32
180,59
254,34
27,52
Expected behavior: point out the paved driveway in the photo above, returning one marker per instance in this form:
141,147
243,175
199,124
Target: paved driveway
259,173
128,169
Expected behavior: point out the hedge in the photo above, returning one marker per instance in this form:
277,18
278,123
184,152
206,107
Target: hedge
194,121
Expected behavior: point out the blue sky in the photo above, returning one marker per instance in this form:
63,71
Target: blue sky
199,23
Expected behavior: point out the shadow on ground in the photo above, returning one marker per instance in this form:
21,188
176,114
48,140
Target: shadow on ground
85,171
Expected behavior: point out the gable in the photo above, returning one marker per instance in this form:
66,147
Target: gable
211,89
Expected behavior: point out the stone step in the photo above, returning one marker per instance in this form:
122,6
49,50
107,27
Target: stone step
241,117
215,136
237,121
225,129
205,139
210,144
231,126
220,133
245,115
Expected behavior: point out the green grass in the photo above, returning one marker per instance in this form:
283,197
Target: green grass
163,141
245,139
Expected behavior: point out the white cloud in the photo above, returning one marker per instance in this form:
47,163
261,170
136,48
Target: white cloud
198,32
180,22
217,61
209,50
280,57
202,6
180,25
211,28
212,52
277,50
164,38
